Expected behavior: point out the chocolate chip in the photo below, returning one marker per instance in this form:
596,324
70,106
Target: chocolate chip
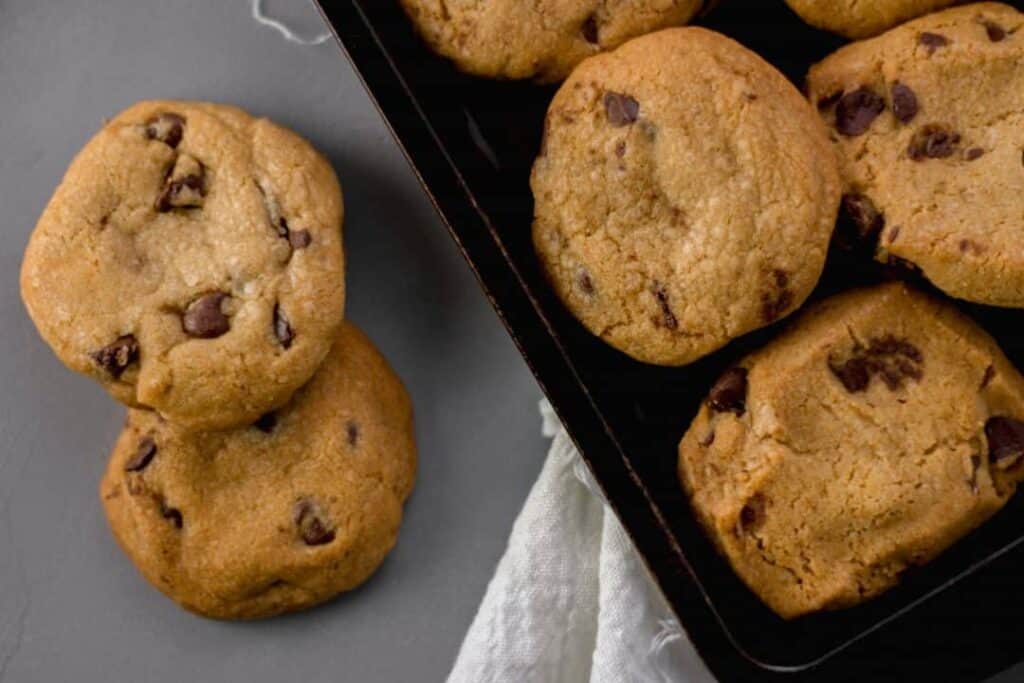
892,359
1005,441
299,239
117,356
352,433
312,529
932,41
143,455
185,186
729,394
827,102
204,318
167,128
589,29
266,422
668,318
990,373
996,33
752,514
173,515
860,223
904,102
973,153
853,373
857,110
933,141
282,328
620,109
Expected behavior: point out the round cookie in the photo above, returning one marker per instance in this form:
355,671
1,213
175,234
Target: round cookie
543,39
278,516
878,430
858,19
684,195
928,123
191,262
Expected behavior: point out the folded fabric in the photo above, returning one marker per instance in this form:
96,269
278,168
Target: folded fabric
570,600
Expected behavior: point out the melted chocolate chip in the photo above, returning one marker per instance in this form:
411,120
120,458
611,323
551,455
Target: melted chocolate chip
312,529
932,41
860,223
857,110
167,128
266,422
173,515
204,318
1005,441
620,109
299,239
668,318
973,153
185,186
143,455
995,32
589,30
282,328
904,102
891,359
729,394
933,141
117,356
352,433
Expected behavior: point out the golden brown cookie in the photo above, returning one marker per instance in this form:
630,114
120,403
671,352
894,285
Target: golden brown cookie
191,262
278,516
882,427
860,18
927,124
684,195
543,39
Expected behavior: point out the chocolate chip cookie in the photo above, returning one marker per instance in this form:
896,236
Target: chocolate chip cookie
543,39
191,262
275,517
868,438
858,19
684,195
926,121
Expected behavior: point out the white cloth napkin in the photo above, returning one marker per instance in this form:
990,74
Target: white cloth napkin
570,601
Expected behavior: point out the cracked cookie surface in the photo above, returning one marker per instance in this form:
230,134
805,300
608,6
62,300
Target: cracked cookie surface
303,504
684,195
191,262
865,440
859,19
928,124
543,39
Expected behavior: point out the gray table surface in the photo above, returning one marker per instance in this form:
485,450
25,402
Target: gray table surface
71,606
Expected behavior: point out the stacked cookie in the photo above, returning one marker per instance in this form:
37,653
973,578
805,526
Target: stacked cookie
191,261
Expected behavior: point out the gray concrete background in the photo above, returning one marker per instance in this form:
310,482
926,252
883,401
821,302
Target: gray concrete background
72,608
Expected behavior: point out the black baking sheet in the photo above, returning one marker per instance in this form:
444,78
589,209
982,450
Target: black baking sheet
472,142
